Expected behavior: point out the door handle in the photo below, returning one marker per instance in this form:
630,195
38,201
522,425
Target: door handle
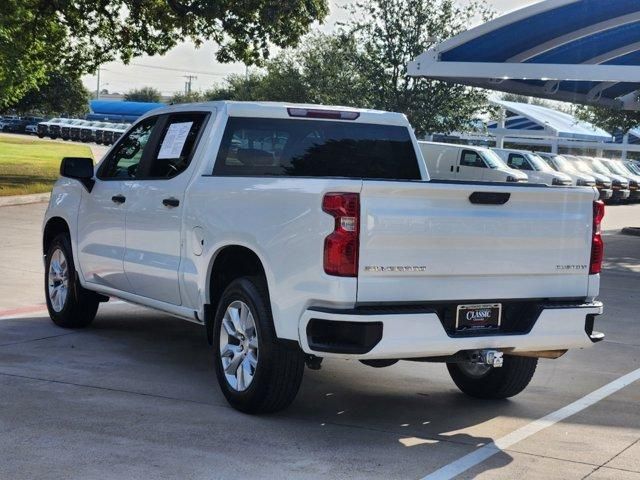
171,202
452,168
118,199
457,169
489,198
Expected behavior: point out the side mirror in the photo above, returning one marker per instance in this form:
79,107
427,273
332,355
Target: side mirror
80,169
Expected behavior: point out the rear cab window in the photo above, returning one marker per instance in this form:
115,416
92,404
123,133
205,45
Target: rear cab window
316,148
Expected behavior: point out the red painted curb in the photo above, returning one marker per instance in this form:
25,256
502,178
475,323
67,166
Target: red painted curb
20,310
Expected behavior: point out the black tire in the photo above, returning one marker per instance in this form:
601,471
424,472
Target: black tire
278,372
80,306
504,382
40,135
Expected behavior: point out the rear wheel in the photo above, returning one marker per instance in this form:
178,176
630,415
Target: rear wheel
484,381
256,372
69,304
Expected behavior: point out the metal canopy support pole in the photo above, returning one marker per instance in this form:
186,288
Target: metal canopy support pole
501,126
625,142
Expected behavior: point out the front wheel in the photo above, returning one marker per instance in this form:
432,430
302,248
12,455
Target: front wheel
256,372
69,304
484,381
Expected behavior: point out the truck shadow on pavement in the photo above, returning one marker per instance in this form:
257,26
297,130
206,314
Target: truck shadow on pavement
622,254
350,420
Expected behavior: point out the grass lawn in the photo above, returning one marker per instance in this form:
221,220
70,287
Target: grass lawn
31,165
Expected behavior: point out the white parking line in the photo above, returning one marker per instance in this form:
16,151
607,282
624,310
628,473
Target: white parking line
478,456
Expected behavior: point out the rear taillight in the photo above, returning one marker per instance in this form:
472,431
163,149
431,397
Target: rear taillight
597,245
341,246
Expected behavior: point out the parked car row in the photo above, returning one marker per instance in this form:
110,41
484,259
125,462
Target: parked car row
616,180
79,130
15,124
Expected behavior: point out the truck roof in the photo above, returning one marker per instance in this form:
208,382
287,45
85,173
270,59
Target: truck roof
457,145
514,150
280,110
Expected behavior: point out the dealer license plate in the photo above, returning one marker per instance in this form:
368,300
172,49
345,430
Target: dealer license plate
484,316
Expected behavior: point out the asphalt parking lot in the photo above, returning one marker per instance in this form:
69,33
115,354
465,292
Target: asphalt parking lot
135,396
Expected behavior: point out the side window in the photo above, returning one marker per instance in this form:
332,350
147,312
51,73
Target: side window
177,144
518,162
548,161
123,163
472,159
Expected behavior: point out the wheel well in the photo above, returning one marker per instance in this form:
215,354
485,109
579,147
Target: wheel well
230,263
52,229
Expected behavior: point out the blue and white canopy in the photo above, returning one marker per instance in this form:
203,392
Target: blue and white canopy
582,51
526,119
633,137
121,111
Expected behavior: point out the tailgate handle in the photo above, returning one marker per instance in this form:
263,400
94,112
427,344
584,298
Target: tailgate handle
489,198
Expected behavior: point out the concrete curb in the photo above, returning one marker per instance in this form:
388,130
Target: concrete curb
24,199
634,231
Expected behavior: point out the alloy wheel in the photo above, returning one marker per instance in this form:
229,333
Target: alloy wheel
238,345
58,280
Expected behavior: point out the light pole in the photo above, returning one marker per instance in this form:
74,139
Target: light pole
98,85
98,82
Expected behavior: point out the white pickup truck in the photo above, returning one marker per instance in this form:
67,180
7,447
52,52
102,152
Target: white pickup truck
297,232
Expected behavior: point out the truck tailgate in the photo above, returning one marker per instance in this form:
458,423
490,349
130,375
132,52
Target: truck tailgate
426,241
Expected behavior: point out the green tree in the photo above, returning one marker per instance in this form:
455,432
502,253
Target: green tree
389,34
364,64
27,49
144,94
609,119
61,95
190,97
514,97
38,37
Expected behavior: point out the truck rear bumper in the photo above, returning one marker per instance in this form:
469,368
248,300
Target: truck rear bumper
389,334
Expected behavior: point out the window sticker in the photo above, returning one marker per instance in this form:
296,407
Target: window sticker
174,140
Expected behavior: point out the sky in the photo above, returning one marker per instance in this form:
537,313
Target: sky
167,72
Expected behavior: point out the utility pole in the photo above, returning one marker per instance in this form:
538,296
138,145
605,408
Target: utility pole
187,84
98,86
